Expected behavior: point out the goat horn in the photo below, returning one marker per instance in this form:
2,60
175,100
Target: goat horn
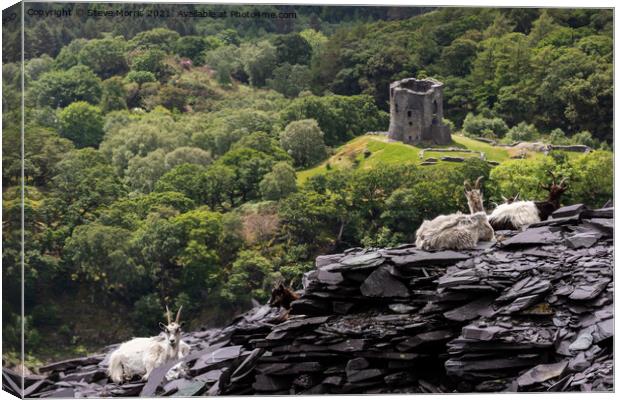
478,182
517,196
467,185
178,315
168,315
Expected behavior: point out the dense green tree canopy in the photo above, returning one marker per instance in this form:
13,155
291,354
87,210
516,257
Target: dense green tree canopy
61,87
303,140
106,57
81,123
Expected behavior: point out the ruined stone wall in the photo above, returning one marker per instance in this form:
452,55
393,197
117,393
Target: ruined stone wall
416,112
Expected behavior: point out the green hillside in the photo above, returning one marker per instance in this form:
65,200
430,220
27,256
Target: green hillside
369,151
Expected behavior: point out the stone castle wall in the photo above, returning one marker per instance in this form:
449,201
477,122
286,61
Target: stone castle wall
416,112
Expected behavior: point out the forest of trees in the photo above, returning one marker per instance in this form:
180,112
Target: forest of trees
161,155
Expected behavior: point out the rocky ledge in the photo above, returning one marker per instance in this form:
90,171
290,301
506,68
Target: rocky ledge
532,312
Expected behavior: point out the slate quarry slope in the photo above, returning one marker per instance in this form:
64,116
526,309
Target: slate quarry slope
533,312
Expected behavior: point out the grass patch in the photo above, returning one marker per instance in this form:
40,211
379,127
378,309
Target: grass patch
352,154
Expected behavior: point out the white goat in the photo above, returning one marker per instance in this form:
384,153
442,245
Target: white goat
515,215
454,231
140,356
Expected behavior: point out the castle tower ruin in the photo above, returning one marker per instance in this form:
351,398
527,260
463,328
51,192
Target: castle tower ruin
416,112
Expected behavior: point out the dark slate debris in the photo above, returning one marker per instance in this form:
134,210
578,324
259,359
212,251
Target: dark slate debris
533,312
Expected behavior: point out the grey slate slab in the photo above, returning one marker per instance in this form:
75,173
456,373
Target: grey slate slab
429,258
380,283
541,373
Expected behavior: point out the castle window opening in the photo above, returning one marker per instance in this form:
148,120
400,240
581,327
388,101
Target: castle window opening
396,106
409,113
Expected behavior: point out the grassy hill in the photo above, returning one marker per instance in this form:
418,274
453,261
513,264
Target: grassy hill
368,151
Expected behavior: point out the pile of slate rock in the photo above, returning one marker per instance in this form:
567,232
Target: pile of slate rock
531,312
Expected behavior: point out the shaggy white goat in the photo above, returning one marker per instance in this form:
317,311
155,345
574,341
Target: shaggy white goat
514,215
517,214
140,356
454,231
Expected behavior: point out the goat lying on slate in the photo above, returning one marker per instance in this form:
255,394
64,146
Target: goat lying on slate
454,231
457,231
517,214
140,356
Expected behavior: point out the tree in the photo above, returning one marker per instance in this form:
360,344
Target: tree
380,71
263,142
478,125
250,166
106,57
81,123
143,172
303,140
140,77
205,244
278,183
224,60
114,95
84,182
406,208
250,277
158,38
219,184
68,56
457,58
173,97
259,61
102,255
61,88
308,217
151,61
592,182
293,49
35,67
187,155
341,118
522,132
585,138
44,149
186,179
155,130
315,39
290,80
557,136
191,47
521,176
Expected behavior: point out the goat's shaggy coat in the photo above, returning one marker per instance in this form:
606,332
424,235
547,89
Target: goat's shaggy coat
454,231
514,215
517,214
140,356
